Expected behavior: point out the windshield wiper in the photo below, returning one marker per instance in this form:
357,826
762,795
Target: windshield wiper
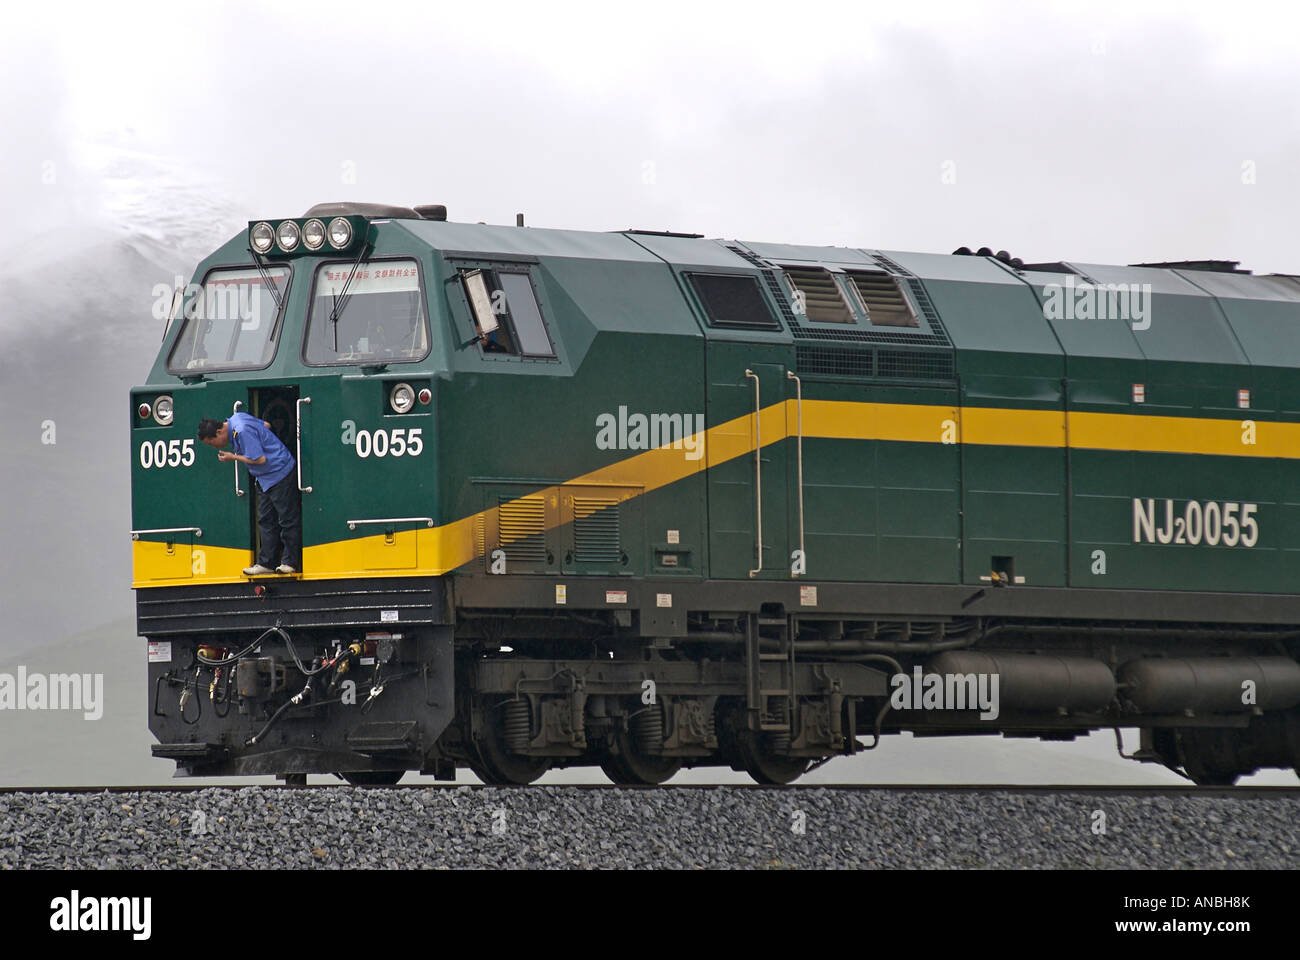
341,297
266,279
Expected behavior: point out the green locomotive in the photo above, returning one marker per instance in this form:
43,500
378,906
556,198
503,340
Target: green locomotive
647,500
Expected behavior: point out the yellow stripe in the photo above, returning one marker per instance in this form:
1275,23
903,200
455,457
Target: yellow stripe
1149,434
442,549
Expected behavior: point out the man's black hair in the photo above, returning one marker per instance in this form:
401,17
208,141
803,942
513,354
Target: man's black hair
209,428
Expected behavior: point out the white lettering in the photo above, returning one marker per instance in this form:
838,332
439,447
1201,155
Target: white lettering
656,431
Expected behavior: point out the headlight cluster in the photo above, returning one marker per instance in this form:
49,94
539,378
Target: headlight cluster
287,236
402,398
161,410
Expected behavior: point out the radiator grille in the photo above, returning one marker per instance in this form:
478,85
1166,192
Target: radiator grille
835,361
596,530
914,365
522,526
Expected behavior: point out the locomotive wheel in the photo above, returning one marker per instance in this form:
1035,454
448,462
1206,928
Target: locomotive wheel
373,778
749,750
765,766
1206,765
496,765
1215,778
628,765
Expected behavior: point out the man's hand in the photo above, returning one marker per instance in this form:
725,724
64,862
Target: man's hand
225,456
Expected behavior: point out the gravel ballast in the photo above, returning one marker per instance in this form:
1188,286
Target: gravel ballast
716,827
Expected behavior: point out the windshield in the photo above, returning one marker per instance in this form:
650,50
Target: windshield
379,319
229,322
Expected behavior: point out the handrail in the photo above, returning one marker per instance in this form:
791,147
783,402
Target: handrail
352,524
297,409
798,395
758,469
238,492
197,531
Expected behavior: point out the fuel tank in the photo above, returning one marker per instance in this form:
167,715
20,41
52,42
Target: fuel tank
1036,683
1211,684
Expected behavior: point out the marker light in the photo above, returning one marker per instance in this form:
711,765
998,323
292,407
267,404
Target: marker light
143,410
313,234
288,235
162,411
261,236
402,398
425,395
340,233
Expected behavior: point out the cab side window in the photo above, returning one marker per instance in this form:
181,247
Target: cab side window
507,317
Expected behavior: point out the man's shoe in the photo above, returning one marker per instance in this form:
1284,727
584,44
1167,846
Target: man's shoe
257,570
284,568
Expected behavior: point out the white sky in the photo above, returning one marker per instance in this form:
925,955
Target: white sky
1094,132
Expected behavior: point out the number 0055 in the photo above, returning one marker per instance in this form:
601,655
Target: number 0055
399,442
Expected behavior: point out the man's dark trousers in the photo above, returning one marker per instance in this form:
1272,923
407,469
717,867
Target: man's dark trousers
277,520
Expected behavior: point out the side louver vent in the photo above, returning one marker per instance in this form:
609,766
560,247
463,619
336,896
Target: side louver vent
522,526
596,530
823,301
895,346
885,303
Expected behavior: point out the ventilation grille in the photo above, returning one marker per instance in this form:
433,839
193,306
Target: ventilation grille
885,303
823,301
847,351
939,336
915,336
835,361
522,525
914,365
596,530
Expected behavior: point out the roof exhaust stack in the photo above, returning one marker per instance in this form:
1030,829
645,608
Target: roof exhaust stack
432,211
519,219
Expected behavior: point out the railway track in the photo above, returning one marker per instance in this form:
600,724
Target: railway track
1243,793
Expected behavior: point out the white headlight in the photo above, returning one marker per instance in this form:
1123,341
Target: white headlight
313,234
261,236
162,410
340,233
288,236
402,398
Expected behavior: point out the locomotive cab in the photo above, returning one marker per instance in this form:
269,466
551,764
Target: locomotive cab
321,328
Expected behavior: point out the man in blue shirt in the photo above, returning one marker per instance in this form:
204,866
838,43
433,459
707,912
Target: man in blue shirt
271,465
